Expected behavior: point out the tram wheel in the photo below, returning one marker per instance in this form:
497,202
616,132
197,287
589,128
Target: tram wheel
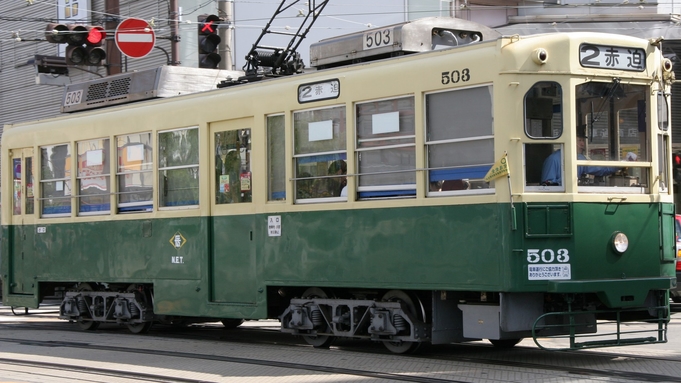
87,324
139,328
318,341
504,343
402,347
232,323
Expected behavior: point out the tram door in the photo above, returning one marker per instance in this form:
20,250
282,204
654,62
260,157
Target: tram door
233,257
22,231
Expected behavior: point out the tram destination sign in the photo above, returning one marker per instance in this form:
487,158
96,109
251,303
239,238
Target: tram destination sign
611,57
317,91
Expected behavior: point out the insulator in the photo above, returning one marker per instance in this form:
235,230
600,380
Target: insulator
82,306
399,322
316,317
134,311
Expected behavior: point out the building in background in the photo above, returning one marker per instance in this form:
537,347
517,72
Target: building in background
25,95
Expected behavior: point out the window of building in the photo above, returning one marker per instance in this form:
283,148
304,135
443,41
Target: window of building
276,160
134,173
55,180
178,167
386,154
320,153
233,166
93,179
460,141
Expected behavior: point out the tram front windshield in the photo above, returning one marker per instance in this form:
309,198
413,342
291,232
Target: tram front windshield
613,127
611,139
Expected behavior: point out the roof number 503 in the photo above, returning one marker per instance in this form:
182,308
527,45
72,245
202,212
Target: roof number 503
378,39
456,76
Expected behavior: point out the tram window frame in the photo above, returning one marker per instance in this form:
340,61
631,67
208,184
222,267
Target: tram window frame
663,111
624,159
542,121
233,182
663,156
459,141
543,107
276,157
135,161
95,156
326,147
663,139
534,168
50,183
169,171
386,138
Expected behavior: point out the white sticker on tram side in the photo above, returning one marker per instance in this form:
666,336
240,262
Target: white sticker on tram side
73,98
41,230
274,225
548,272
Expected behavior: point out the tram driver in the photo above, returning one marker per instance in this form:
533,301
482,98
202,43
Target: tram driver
551,173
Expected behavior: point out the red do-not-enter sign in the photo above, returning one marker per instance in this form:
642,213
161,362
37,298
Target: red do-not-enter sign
135,38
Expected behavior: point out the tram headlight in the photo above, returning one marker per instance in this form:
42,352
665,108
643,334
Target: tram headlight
540,56
667,65
620,242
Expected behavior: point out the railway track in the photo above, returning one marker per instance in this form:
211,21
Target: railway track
258,347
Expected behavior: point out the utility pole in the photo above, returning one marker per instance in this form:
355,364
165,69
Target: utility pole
226,10
174,36
114,57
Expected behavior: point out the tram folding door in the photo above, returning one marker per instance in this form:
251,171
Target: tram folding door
233,256
21,257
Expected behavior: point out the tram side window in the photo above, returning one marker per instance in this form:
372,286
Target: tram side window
386,154
18,185
543,111
134,173
55,181
543,162
94,183
178,167
460,141
276,159
320,153
233,166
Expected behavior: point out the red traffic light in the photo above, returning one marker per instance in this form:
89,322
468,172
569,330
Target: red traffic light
208,24
677,159
75,34
96,35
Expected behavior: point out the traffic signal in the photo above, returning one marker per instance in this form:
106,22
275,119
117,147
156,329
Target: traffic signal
676,166
208,41
84,42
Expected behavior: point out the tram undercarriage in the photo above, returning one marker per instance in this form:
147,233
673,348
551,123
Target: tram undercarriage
90,307
402,322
